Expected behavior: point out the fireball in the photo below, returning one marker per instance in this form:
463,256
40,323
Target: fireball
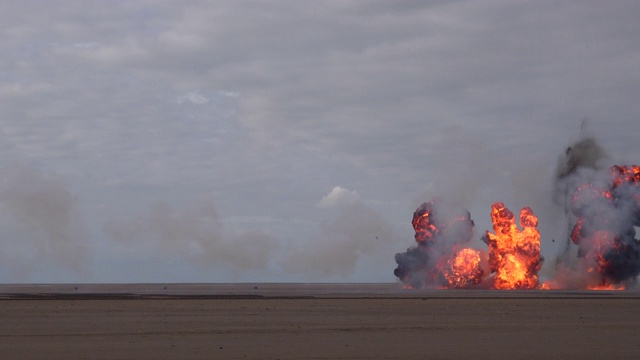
514,255
463,270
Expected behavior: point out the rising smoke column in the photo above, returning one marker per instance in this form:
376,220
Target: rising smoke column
601,210
440,257
606,213
580,164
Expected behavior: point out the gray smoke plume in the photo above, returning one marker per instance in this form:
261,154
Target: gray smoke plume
601,210
581,163
42,223
197,234
586,153
606,212
579,160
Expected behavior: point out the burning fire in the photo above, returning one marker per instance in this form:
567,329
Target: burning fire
514,255
629,174
606,214
603,216
432,221
607,287
463,270
435,261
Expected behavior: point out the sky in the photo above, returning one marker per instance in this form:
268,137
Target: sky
290,141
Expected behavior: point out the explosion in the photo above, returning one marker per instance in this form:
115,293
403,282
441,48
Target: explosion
439,258
463,270
442,257
514,255
606,214
603,215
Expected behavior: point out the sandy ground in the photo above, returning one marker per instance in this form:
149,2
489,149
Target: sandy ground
289,322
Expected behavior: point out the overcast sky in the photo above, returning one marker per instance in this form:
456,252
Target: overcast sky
219,141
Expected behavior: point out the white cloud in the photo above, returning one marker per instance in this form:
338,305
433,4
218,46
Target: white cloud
86,45
337,197
128,50
232,94
193,97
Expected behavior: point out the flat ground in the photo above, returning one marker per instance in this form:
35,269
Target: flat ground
356,324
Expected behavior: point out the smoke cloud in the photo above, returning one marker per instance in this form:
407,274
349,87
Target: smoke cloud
604,213
576,166
198,235
600,204
357,231
441,230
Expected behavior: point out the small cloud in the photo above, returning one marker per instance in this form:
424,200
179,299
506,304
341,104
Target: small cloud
193,97
337,197
232,94
127,51
86,45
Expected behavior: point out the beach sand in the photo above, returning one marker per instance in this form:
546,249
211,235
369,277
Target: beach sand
312,322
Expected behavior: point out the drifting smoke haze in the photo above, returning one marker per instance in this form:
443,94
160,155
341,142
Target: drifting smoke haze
357,232
460,154
195,234
44,222
198,235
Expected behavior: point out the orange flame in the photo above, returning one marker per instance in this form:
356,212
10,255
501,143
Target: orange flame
423,224
618,287
625,174
463,270
604,214
549,285
602,241
514,255
600,211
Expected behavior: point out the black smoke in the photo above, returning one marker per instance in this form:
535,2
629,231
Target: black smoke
606,213
438,229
